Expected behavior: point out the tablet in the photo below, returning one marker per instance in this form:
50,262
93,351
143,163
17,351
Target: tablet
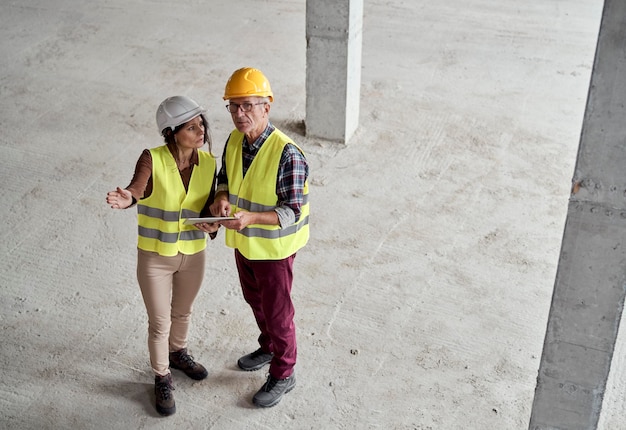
209,220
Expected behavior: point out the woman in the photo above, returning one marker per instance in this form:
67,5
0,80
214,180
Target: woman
172,182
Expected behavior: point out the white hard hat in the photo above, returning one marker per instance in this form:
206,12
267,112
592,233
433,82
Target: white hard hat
176,110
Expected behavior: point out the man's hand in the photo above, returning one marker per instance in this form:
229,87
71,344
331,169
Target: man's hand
243,219
221,205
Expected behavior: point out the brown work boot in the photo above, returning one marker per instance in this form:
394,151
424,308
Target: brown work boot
181,360
163,388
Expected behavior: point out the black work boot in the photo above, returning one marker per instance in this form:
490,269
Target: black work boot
181,360
255,360
163,388
273,390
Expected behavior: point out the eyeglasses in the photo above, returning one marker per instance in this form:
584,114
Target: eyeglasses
245,107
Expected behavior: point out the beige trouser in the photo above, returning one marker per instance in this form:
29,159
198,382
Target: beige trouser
169,285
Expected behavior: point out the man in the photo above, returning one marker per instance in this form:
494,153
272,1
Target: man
263,183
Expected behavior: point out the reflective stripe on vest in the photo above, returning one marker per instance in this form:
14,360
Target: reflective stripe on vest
160,216
257,241
264,232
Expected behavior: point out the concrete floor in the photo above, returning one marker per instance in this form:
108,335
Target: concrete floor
423,295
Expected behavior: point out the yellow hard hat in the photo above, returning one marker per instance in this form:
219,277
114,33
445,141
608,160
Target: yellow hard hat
248,81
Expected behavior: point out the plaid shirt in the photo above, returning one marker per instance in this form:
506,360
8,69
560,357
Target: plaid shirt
293,171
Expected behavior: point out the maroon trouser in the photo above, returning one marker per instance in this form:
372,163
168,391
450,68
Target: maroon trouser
266,287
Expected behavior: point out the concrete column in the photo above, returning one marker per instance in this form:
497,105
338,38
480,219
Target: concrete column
590,283
334,30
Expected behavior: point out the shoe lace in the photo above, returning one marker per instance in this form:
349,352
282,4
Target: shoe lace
165,389
258,353
186,360
270,383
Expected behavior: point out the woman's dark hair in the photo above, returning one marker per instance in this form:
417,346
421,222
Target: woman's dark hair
168,134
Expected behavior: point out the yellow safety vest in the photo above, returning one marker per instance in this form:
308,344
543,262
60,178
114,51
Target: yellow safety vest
160,216
256,192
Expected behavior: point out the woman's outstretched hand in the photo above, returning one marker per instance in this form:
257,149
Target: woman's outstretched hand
119,199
